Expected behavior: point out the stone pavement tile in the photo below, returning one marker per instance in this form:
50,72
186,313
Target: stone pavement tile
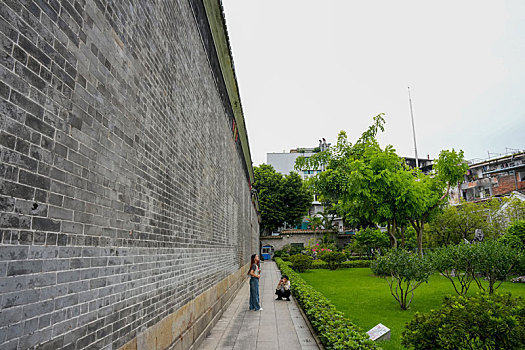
267,345
279,326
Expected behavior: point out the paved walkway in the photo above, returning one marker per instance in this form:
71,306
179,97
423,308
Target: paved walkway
280,326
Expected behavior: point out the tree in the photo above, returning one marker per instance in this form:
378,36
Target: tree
268,185
297,198
281,198
404,272
372,185
515,209
517,229
369,240
429,191
458,264
494,261
315,222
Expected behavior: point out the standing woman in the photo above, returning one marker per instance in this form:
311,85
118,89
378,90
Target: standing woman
255,273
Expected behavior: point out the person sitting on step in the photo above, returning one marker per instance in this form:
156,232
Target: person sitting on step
283,288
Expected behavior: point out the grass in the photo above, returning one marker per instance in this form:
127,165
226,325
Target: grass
365,298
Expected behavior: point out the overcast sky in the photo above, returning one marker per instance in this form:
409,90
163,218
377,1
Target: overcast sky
308,69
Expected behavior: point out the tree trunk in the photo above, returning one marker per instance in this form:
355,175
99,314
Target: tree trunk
391,228
418,225
403,240
420,239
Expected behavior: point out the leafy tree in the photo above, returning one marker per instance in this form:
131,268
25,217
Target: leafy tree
297,198
457,264
480,322
494,262
515,209
268,186
371,185
429,191
281,198
517,229
404,272
455,224
315,222
368,240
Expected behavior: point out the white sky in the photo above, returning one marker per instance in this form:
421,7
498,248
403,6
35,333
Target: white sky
308,69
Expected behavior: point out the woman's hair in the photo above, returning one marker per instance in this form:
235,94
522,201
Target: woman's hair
284,276
253,262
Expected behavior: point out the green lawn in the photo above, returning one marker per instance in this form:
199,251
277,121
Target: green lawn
365,299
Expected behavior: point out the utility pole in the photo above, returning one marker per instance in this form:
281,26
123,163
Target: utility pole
413,127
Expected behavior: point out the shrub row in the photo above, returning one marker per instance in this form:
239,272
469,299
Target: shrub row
334,330
319,264
344,265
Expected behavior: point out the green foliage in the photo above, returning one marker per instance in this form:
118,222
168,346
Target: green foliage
451,166
480,322
333,259
289,249
512,240
369,185
457,223
515,209
457,264
296,198
517,229
281,198
489,260
404,272
494,262
301,262
334,330
319,264
369,240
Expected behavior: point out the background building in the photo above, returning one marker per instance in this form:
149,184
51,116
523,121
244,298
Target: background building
493,177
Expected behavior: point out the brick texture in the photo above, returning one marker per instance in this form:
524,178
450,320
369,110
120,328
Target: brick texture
123,194
508,183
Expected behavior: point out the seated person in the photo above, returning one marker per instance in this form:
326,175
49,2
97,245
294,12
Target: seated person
283,289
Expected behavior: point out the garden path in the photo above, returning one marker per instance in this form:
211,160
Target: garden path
279,326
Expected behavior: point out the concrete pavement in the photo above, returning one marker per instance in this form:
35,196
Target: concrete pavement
279,326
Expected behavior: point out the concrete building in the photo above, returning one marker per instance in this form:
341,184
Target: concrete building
425,164
498,176
126,214
284,163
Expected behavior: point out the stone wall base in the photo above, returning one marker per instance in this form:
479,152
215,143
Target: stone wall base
186,328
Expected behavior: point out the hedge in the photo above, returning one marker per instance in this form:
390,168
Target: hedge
319,264
334,330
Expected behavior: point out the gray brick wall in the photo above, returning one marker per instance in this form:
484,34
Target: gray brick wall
123,194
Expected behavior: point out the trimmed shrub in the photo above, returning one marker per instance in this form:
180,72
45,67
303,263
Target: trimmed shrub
494,263
333,259
301,262
457,264
344,265
404,272
334,330
484,321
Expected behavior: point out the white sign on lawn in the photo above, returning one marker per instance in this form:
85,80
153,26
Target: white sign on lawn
379,332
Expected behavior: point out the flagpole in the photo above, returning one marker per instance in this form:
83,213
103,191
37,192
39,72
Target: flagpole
413,127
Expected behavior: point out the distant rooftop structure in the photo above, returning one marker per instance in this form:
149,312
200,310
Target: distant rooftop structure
284,162
498,176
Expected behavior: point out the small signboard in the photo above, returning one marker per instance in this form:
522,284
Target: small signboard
379,332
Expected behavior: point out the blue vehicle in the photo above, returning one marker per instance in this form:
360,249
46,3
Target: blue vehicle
267,252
